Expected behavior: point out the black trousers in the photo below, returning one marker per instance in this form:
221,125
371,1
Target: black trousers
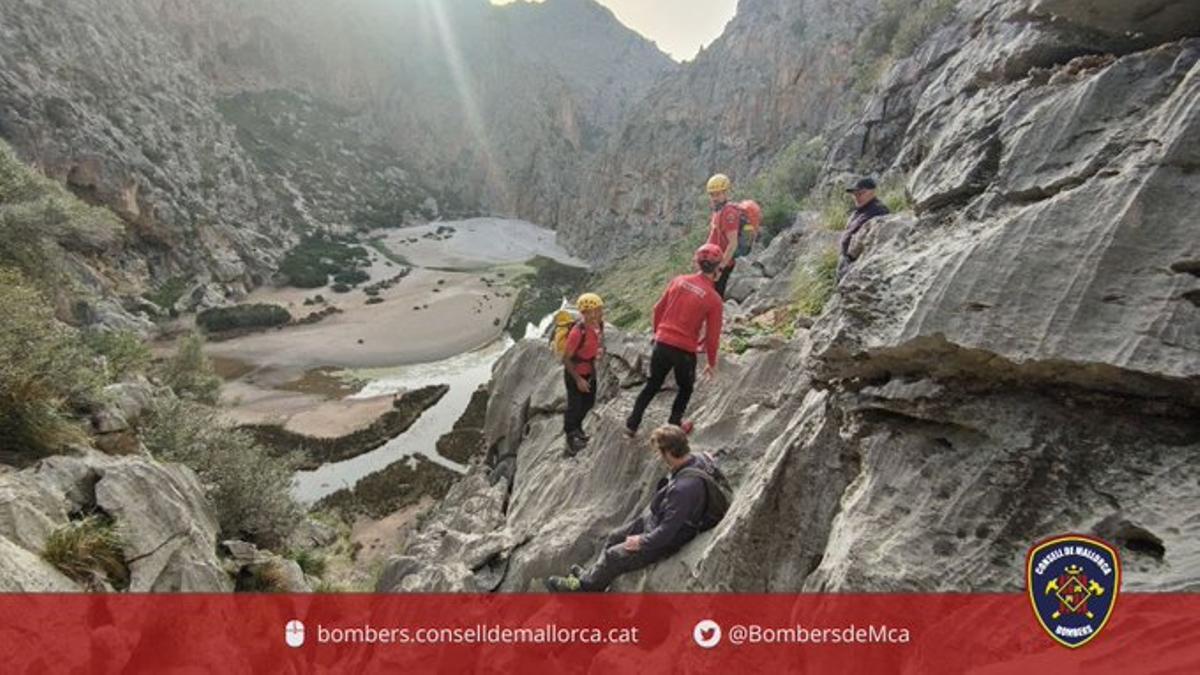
615,560
664,360
723,280
578,403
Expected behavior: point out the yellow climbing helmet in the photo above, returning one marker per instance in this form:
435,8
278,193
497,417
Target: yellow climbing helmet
718,183
589,301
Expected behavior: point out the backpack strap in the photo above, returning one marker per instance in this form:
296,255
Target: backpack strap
581,325
709,484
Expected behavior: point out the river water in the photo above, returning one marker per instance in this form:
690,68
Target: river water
464,374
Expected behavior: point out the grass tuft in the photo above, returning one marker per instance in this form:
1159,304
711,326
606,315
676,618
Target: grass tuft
87,551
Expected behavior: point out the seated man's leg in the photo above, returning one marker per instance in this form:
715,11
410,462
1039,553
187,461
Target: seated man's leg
614,562
617,536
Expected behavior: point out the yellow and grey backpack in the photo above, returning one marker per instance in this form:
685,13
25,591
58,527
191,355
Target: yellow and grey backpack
564,320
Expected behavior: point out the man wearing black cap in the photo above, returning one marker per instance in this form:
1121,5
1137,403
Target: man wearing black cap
866,207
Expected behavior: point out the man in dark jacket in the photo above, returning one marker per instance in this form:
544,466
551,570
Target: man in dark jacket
677,513
866,207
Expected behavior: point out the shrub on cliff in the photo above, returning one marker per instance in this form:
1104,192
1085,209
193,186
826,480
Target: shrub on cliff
44,371
189,372
40,221
243,316
815,282
125,354
779,187
249,487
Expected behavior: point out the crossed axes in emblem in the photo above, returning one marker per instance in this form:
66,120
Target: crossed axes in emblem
1093,587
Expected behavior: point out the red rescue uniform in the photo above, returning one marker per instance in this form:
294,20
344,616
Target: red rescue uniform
583,344
724,226
690,302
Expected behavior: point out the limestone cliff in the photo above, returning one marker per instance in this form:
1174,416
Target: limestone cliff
782,69
222,130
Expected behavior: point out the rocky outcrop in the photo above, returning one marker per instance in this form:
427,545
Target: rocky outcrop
257,570
167,528
129,125
1017,359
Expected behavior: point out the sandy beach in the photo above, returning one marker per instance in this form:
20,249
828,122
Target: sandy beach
427,316
289,376
476,243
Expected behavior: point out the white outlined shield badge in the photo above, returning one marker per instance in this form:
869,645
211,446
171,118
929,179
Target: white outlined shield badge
1073,582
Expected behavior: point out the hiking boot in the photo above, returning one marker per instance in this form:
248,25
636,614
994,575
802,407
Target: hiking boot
630,433
575,444
567,584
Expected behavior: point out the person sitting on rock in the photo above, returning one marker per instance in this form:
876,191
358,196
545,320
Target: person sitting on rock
689,308
866,207
692,498
584,344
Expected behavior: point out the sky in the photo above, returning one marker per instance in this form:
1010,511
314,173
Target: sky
679,27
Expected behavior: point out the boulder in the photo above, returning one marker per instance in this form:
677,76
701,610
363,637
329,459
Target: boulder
169,527
130,399
29,510
246,562
311,534
159,510
22,571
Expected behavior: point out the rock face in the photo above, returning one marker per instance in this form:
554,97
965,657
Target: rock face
1020,359
159,510
22,571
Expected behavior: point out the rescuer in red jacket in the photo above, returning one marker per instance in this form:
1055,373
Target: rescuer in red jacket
689,308
724,227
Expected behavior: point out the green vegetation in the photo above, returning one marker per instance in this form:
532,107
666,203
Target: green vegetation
190,373
243,316
311,563
319,147
169,293
45,371
248,486
632,286
814,283
309,263
88,551
124,352
352,277
380,245
780,187
41,223
894,195
898,29
834,205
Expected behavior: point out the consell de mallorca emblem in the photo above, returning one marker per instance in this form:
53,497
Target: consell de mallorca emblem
1073,582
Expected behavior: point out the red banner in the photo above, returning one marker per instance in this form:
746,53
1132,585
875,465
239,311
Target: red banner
576,633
